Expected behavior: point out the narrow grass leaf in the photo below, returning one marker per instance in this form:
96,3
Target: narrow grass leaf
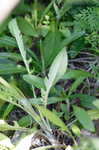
75,85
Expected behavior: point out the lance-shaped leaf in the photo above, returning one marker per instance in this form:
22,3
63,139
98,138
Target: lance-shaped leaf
14,29
57,69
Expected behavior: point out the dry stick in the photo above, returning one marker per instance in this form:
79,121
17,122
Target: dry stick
6,6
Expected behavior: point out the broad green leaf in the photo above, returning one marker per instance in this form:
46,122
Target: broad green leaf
57,69
35,81
84,118
5,141
75,74
9,67
51,50
26,27
26,121
14,29
24,143
52,118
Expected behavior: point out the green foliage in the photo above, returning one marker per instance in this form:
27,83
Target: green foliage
87,19
17,34
83,118
93,40
49,69
35,81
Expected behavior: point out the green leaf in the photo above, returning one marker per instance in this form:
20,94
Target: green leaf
75,130
85,100
8,67
94,114
74,36
75,74
51,50
57,69
7,41
51,100
14,96
96,103
26,27
3,25
14,29
13,56
9,109
26,121
35,81
4,127
52,117
75,85
84,118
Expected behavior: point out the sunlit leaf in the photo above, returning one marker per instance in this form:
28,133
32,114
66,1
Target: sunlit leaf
57,69
4,126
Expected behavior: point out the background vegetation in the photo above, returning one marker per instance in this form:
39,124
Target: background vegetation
49,76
